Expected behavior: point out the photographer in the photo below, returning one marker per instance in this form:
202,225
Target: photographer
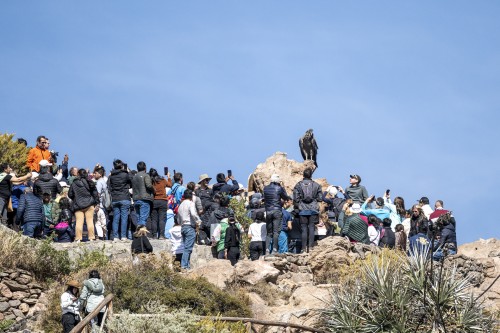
38,153
70,303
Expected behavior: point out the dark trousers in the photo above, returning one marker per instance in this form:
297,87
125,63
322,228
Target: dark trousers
295,245
273,221
307,223
69,322
158,218
257,249
233,254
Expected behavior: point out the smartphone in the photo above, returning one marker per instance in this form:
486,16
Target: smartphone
229,173
387,192
165,171
125,166
174,172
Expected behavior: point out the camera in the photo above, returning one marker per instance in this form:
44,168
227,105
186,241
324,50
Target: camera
54,155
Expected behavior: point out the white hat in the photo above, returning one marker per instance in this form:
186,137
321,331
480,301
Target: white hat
63,184
34,174
44,163
241,187
275,178
332,190
356,208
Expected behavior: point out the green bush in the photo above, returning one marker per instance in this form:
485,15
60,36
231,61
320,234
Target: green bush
5,324
403,295
136,287
240,214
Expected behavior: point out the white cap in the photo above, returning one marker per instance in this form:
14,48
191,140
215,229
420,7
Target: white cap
332,190
45,163
275,178
356,208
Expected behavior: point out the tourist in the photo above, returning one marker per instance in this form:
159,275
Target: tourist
373,230
38,153
120,182
387,236
286,225
419,244
176,239
401,238
306,197
30,213
223,187
379,211
160,204
140,243
189,219
92,295
70,304
64,228
274,193
356,192
417,221
424,204
232,241
142,190
354,227
84,195
6,180
46,183
257,234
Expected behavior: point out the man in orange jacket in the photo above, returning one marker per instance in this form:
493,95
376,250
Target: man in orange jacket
38,153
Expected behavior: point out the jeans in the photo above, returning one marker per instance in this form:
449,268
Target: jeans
307,223
31,229
438,255
283,242
170,220
273,220
142,209
120,218
188,237
3,210
158,217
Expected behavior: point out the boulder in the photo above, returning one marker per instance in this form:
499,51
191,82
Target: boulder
310,297
18,314
30,301
5,291
290,173
217,272
24,279
253,272
330,254
14,286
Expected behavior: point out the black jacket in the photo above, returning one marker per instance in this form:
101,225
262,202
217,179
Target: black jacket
205,196
225,187
83,193
46,183
30,209
219,214
273,194
141,245
388,239
233,236
448,236
119,183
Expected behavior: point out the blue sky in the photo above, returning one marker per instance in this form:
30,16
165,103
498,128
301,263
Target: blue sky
404,93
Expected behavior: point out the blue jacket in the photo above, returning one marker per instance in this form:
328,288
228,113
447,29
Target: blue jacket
179,192
225,187
381,213
448,236
286,217
273,193
17,192
30,209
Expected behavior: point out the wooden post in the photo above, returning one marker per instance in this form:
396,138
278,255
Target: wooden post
248,326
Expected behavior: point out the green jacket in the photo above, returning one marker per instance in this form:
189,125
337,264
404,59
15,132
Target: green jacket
356,229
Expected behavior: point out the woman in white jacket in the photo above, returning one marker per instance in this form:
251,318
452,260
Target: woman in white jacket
373,230
70,303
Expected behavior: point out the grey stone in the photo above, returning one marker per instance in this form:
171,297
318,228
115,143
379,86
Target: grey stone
15,303
30,301
18,313
14,286
4,306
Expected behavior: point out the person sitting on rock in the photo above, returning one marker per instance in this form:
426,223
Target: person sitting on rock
141,243
274,193
257,234
354,227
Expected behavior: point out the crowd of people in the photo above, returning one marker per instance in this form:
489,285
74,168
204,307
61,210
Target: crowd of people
75,205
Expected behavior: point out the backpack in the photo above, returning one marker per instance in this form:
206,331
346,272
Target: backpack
307,192
106,199
172,201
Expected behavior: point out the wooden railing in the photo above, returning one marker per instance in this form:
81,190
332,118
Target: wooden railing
249,322
82,325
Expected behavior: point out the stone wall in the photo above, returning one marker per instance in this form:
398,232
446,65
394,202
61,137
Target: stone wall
19,293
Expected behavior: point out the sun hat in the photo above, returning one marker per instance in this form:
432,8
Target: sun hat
356,208
332,190
73,283
203,177
275,178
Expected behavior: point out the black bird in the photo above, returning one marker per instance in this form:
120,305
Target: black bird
309,147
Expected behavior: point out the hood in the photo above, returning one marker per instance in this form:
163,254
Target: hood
450,227
115,172
45,177
94,285
218,186
221,213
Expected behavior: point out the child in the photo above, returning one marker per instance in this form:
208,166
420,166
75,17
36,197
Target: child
257,234
400,237
64,231
176,239
100,222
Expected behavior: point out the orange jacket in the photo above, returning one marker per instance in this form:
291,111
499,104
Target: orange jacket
35,156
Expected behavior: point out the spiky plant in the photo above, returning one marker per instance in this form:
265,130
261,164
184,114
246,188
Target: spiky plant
404,294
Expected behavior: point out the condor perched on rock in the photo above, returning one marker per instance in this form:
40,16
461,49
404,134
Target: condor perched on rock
309,147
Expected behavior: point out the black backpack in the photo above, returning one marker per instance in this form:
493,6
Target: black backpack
307,192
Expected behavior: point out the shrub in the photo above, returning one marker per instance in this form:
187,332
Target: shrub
91,259
13,153
240,214
401,294
6,324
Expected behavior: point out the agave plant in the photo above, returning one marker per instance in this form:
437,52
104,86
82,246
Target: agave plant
396,293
